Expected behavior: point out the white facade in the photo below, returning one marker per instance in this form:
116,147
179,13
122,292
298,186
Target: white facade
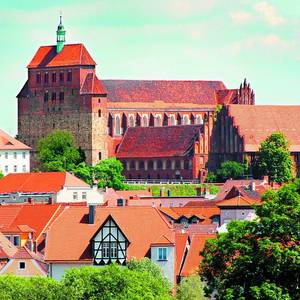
57,271
79,194
167,265
14,161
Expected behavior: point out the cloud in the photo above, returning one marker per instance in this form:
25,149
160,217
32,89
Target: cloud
269,12
241,17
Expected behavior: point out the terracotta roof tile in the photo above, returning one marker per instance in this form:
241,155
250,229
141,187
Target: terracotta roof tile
171,91
68,238
166,141
194,258
46,182
238,201
7,142
70,55
227,96
181,240
256,122
92,85
7,248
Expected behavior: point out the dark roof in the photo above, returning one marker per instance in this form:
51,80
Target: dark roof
166,141
171,91
70,55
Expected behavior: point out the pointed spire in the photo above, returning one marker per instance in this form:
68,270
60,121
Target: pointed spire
60,35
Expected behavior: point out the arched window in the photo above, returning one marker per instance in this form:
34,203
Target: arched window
99,113
159,164
150,165
186,120
172,121
132,165
145,121
131,121
141,165
158,121
117,125
199,119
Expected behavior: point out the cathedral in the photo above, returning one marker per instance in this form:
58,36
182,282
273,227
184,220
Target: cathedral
63,92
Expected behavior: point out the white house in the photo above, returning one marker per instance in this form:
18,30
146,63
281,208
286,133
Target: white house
54,187
14,155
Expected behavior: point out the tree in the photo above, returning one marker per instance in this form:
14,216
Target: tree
190,288
113,282
274,159
57,151
108,173
258,259
1,175
84,172
230,169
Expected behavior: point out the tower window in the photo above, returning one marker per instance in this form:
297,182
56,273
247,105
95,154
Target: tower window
38,78
46,78
100,155
99,113
69,76
53,96
46,96
61,96
61,77
53,77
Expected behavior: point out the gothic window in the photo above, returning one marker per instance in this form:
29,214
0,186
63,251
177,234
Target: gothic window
69,76
132,165
172,121
61,77
159,164
99,113
199,120
61,96
141,165
46,96
150,165
109,244
131,121
145,121
53,77
53,97
177,164
169,164
117,125
38,78
186,120
99,155
186,164
46,78
158,121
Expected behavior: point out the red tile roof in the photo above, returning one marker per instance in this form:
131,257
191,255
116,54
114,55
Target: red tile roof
166,141
256,122
7,142
7,248
70,55
238,201
36,216
181,240
198,91
227,96
46,182
68,238
194,258
205,213
92,85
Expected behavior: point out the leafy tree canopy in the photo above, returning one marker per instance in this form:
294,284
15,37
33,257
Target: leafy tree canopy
230,169
1,175
274,159
258,259
84,172
57,152
190,288
108,173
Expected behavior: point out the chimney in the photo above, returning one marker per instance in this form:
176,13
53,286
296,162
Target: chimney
92,212
252,186
162,192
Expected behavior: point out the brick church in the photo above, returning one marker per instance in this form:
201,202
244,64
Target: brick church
62,91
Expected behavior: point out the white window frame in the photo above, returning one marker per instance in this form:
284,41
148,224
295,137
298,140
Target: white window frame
84,195
19,266
75,195
162,254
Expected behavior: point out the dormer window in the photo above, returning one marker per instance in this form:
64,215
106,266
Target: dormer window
109,244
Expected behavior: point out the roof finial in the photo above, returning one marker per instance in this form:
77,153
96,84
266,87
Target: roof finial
60,18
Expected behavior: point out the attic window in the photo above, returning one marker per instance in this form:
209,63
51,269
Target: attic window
22,265
162,253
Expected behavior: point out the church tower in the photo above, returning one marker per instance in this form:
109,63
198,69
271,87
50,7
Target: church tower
60,36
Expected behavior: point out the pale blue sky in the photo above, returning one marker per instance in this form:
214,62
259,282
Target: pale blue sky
171,39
